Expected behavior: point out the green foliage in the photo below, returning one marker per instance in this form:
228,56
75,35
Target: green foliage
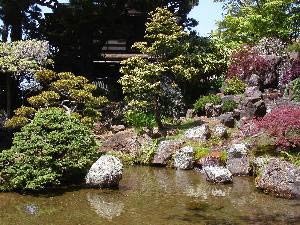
293,90
294,47
144,79
52,150
223,157
199,105
234,86
229,106
139,119
249,21
201,152
65,90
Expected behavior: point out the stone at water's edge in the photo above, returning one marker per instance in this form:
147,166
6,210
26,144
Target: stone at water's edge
217,174
106,172
198,133
280,178
165,151
184,158
238,161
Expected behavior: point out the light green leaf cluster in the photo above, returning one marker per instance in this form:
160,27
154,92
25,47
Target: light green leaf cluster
23,57
65,90
254,20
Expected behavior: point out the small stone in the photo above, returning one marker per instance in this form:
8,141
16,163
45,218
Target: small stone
259,163
254,80
117,128
106,172
198,133
227,119
218,174
184,158
238,161
253,92
220,131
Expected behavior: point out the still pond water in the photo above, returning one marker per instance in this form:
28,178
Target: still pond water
153,196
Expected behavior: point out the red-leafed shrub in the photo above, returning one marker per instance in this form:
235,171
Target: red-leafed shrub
248,61
283,124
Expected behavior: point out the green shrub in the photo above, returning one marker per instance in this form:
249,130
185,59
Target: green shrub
234,86
295,47
199,105
229,106
139,119
201,152
53,149
293,90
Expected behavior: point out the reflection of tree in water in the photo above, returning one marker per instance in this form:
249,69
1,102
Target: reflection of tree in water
105,206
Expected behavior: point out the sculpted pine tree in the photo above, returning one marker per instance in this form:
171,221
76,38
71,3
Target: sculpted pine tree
19,59
165,61
64,90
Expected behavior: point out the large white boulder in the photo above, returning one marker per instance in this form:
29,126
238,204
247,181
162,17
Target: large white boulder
106,172
216,174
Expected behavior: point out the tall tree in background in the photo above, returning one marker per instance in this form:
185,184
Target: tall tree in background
147,80
18,15
248,21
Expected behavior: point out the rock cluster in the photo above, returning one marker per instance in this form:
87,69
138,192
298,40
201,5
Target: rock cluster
238,161
165,151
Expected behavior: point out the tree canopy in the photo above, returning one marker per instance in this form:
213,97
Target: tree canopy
249,21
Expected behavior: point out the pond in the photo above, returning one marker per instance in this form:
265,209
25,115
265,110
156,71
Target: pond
153,196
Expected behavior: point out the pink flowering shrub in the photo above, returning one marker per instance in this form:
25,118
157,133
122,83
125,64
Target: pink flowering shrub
246,62
282,123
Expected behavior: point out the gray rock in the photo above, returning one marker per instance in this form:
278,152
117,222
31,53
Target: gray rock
259,163
218,174
207,161
239,166
117,128
238,161
227,119
237,150
253,92
184,158
213,110
190,113
106,172
280,178
220,131
198,133
254,80
165,151
127,142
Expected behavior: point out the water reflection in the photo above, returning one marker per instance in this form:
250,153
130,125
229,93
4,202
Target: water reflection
105,205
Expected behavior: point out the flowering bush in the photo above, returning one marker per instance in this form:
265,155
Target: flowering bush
248,61
282,123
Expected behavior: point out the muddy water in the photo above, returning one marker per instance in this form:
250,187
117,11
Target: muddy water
153,196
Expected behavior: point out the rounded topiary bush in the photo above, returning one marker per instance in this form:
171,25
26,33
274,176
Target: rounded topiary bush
53,149
229,106
199,105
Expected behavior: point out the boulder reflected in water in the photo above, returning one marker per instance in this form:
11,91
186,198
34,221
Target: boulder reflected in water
104,205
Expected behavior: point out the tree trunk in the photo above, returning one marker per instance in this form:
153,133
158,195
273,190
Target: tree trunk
4,32
157,113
